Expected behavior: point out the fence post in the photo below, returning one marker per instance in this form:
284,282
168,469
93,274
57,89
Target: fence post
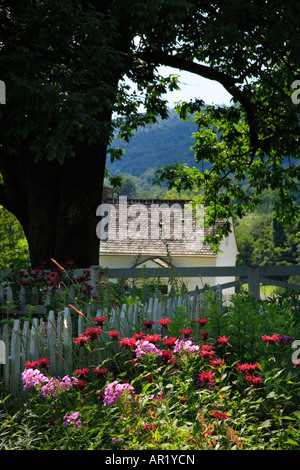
95,270
67,342
253,280
15,358
1,294
51,341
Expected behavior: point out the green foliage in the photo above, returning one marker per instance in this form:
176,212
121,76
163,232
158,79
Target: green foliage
13,244
262,239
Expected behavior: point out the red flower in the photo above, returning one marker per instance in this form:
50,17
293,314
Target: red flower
138,336
183,399
202,321
99,321
152,338
223,340
207,351
186,332
170,342
253,380
166,356
271,339
217,363
31,365
82,373
100,373
114,335
204,335
81,384
248,368
41,363
220,415
150,427
164,323
93,333
82,340
128,343
206,378
148,324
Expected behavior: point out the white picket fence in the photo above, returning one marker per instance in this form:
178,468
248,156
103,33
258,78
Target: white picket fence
54,338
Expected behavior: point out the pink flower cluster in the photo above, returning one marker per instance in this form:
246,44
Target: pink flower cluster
146,347
72,420
113,391
185,345
48,387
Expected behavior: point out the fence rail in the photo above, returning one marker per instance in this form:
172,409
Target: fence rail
253,275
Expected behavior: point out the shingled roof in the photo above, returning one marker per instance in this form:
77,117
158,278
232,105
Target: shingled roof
150,247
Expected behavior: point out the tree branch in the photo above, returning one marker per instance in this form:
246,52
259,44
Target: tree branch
228,82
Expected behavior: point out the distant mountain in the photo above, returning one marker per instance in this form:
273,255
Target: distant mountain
164,143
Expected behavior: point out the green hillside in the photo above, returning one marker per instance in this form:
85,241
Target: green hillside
163,143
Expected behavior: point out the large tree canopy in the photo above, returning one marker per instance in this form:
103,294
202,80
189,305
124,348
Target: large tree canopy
252,49
63,64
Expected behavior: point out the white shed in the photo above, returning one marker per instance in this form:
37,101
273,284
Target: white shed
130,241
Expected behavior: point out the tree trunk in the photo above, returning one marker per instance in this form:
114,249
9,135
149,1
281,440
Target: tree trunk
56,206
74,218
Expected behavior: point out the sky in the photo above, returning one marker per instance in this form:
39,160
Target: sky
194,86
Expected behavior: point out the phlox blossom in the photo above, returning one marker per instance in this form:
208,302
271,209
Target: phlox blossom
117,440
113,391
285,339
33,378
185,345
55,386
71,420
146,347
49,387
